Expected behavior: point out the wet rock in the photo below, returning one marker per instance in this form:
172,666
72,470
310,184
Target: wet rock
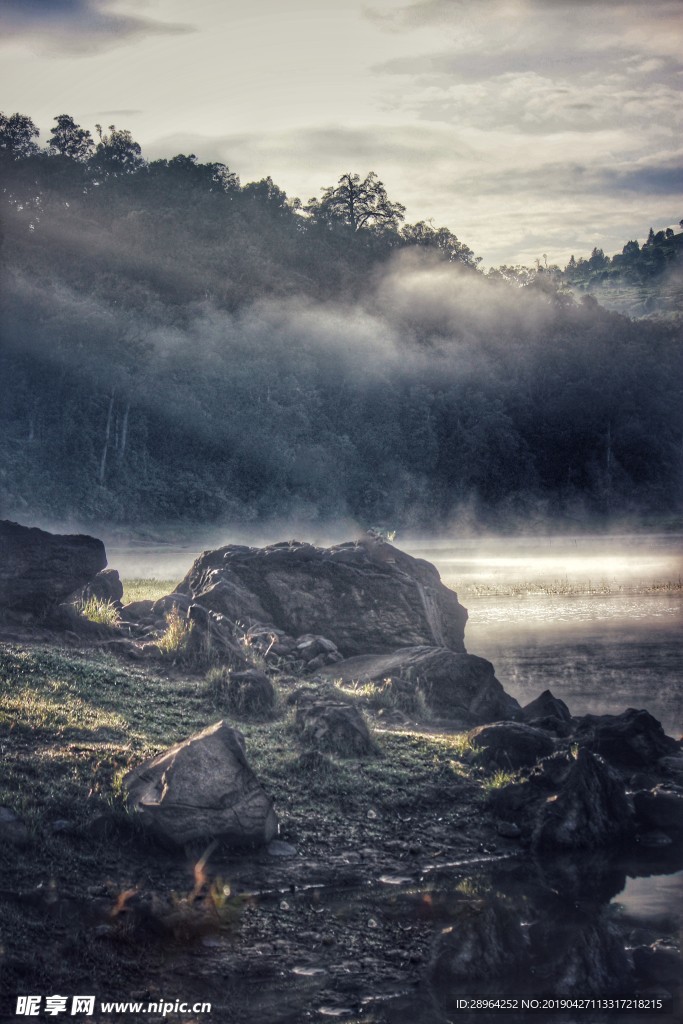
202,788
590,808
672,767
363,596
633,739
510,744
251,691
12,829
40,569
455,684
660,808
334,727
641,780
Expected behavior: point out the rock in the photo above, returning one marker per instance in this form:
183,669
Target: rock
455,684
202,788
210,640
136,610
162,607
672,766
250,691
12,828
39,569
546,706
641,780
633,739
335,727
510,744
365,597
106,586
278,848
590,808
660,808
316,652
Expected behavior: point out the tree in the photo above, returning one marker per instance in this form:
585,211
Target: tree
442,240
650,239
69,139
357,203
669,232
118,152
16,135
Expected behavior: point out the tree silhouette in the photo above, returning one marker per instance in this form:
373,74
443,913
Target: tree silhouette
16,135
357,203
69,139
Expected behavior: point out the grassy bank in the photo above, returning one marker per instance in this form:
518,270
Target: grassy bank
73,722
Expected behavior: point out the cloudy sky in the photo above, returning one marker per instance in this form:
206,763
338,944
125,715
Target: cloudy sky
525,126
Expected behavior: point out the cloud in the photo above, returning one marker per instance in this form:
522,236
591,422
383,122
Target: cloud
76,26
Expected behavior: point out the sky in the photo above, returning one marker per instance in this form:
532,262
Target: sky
527,127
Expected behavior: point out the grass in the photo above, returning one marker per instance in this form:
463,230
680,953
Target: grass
146,589
102,612
498,780
563,588
389,696
177,633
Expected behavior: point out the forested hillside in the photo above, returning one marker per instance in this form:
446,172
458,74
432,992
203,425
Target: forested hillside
179,347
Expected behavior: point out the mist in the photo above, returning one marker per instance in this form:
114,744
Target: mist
176,356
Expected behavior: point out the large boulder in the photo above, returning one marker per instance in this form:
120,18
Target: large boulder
510,744
633,739
364,596
456,685
202,788
589,810
39,569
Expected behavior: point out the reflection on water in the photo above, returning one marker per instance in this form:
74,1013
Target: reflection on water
560,927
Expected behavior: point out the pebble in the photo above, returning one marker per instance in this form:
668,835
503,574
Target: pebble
656,838
278,848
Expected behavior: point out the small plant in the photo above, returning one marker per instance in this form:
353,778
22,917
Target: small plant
498,780
463,746
177,633
104,613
